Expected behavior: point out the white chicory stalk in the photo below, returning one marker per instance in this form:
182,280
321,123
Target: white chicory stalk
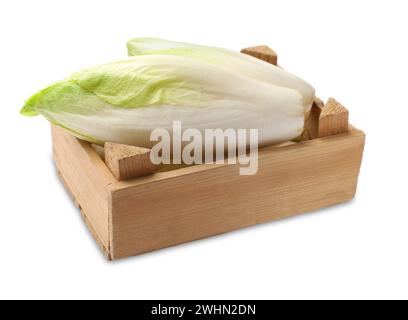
124,101
227,59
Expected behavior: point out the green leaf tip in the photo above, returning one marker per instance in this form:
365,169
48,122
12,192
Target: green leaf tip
28,111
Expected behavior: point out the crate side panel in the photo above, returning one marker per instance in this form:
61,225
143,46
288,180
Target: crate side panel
290,181
87,178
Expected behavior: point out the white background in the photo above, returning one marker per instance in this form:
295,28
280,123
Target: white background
355,51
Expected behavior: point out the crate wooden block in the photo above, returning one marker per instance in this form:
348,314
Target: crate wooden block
333,119
326,119
262,52
312,123
127,162
168,208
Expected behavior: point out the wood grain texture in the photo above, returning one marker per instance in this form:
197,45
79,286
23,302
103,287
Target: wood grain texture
128,162
91,229
263,53
197,202
87,178
334,119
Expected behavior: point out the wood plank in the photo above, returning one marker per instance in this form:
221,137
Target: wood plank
197,202
87,178
263,53
88,223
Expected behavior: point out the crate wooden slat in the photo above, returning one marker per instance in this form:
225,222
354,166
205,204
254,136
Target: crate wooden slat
172,207
159,212
87,179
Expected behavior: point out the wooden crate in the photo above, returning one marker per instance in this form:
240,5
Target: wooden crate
131,217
